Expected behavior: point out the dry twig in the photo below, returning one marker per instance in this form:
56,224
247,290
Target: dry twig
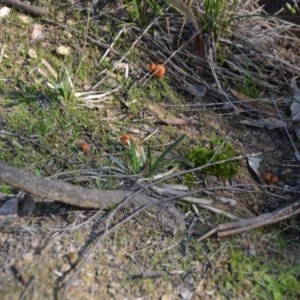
248,224
33,10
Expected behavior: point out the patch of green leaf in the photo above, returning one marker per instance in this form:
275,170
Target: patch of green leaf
146,162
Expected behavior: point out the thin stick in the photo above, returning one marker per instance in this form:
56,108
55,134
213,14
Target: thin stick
2,53
34,10
27,288
268,221
248,224
83,49
112,45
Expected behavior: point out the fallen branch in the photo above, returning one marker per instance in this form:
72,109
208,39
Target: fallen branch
248,224
61,191
33,10
80,196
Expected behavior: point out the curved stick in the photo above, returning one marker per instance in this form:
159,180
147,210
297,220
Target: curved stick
33,10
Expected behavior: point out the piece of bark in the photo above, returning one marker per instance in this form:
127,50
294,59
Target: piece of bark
199,47
33,10
80,196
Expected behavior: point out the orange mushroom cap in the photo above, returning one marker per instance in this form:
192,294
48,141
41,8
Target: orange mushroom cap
267,176
84,147
152,67
125,139
159,71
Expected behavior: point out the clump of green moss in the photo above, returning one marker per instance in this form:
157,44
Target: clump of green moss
218,151
188,179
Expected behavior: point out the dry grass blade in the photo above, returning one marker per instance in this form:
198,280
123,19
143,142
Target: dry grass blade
2,52
50,68
204,203
179,4
112,45
93,97
199,42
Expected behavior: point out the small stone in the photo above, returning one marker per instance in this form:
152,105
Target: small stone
10,208
35,243
186,295
111,291
111,82
57,273
28,256
212,179
63,50
32,53
166,297
65,268
4,12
